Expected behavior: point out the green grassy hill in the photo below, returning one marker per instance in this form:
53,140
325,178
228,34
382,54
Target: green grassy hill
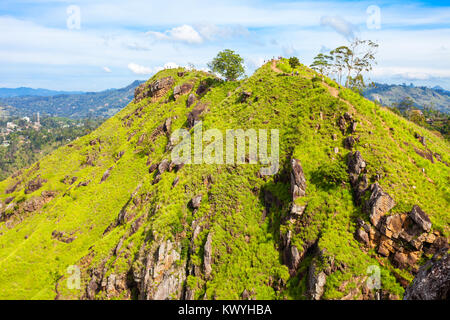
139,227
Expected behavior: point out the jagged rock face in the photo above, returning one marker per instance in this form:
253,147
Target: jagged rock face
161,277
356,163
316,282
298,181
420,218
207,260
155,90
379,204
432,281
195,114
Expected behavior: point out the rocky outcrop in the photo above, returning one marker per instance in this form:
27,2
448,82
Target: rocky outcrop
432,282
421,218
181,90
379,204
298,181
292,256
196,201
349,142
34,184
425,154
402,237
315,282
195,114
190,100
155,90
62,236
207,258
347,124
158,273
106,174
358,178
13,187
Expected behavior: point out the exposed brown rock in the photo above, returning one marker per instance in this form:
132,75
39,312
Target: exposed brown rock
183,89
421,218
379,204
34,184
106,174
62,236
13,187
195,114
425,154
155,90
190,101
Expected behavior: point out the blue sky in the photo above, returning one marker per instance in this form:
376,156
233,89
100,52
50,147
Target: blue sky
95,45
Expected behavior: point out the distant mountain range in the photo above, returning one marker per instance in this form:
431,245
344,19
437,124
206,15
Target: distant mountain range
67,104
423,97
23,91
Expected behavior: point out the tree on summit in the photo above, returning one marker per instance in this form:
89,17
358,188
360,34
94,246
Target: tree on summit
228,64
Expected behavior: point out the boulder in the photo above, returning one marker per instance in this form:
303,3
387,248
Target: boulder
196,201
362,236
432,282
297,210
379,204
349,142
190,100
195,114
183,89
392,226
245,95
163,166
421,218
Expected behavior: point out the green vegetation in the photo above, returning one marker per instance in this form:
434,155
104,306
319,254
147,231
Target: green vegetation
348,63
26,144
102,104
245,229
294,62
228,64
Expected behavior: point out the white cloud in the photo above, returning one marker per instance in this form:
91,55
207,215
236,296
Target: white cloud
340,25
184,33
106,69
212,32
138,69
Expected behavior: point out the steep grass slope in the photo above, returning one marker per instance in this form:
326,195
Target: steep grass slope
137,226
